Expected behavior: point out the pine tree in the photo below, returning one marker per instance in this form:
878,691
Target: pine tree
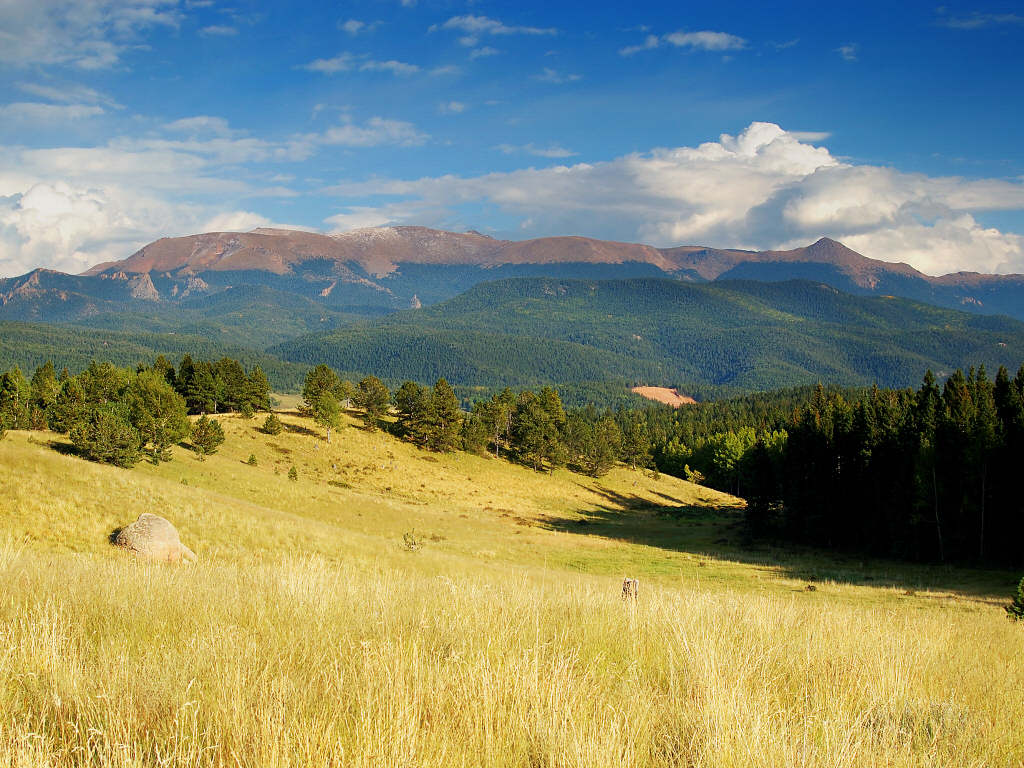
258,390
207,436
157,412
321,392
272,425
107,436
444,418
413,405
374,398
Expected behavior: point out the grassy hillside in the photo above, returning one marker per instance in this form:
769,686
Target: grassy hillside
309,634
746,335
29,345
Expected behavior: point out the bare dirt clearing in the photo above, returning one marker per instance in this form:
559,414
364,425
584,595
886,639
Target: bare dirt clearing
664,395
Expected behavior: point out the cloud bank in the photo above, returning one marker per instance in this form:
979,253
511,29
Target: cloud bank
69,208
765,188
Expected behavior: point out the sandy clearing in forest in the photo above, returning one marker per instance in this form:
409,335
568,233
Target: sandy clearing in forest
664,395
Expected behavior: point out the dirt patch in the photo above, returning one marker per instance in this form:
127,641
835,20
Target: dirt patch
664,395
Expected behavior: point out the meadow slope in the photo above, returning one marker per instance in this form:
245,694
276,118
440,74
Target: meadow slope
309,633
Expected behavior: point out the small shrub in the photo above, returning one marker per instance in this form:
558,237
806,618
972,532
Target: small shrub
1016,609
272,425
413,542
246,411
252,460
293,474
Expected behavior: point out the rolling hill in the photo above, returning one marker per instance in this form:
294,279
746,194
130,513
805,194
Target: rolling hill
742,334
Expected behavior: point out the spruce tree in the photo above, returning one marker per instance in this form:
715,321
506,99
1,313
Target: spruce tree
321,393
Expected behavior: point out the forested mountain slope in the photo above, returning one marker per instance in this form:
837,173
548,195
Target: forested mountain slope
744,334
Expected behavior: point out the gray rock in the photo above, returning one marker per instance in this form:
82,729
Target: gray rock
153,538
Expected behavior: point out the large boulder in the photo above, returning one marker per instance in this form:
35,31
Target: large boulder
153,538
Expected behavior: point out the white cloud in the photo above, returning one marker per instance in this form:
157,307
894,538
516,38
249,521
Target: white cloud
220,30
88,34
343,62
44,114
706,41
450,69
977,20
848,52
451,107
486,50
551,76
346,62
652,41
202,124
372,133
355,27
396,68
552,150
70,94
235,221
475,26
763,188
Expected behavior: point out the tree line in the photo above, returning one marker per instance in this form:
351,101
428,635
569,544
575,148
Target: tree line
532,428
927,474
117,415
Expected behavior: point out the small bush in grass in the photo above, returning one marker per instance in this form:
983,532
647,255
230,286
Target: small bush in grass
272,425
246,411
252,460
293,474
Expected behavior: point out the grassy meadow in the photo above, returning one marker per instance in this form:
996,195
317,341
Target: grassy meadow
311,634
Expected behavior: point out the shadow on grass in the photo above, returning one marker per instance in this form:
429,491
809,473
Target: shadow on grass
709,532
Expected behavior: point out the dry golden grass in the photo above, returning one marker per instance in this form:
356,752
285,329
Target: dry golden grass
308,635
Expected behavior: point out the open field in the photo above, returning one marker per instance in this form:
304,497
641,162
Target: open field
309,634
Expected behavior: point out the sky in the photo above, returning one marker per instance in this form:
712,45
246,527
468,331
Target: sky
892,127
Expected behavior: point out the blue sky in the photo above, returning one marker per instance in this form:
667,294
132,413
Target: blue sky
894,127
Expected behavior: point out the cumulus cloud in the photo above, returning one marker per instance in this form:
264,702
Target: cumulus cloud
88,34
763,188
705,41
476,26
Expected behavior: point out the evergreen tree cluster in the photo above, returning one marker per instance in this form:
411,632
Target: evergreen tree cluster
116,415
929,474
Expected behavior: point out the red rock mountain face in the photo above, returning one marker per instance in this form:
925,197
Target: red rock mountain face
380,251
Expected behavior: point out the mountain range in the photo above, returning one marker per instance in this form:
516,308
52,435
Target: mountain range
370,272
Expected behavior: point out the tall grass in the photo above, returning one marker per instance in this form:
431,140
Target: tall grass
403,661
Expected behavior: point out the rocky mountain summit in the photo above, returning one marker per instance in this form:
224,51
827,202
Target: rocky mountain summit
370,271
